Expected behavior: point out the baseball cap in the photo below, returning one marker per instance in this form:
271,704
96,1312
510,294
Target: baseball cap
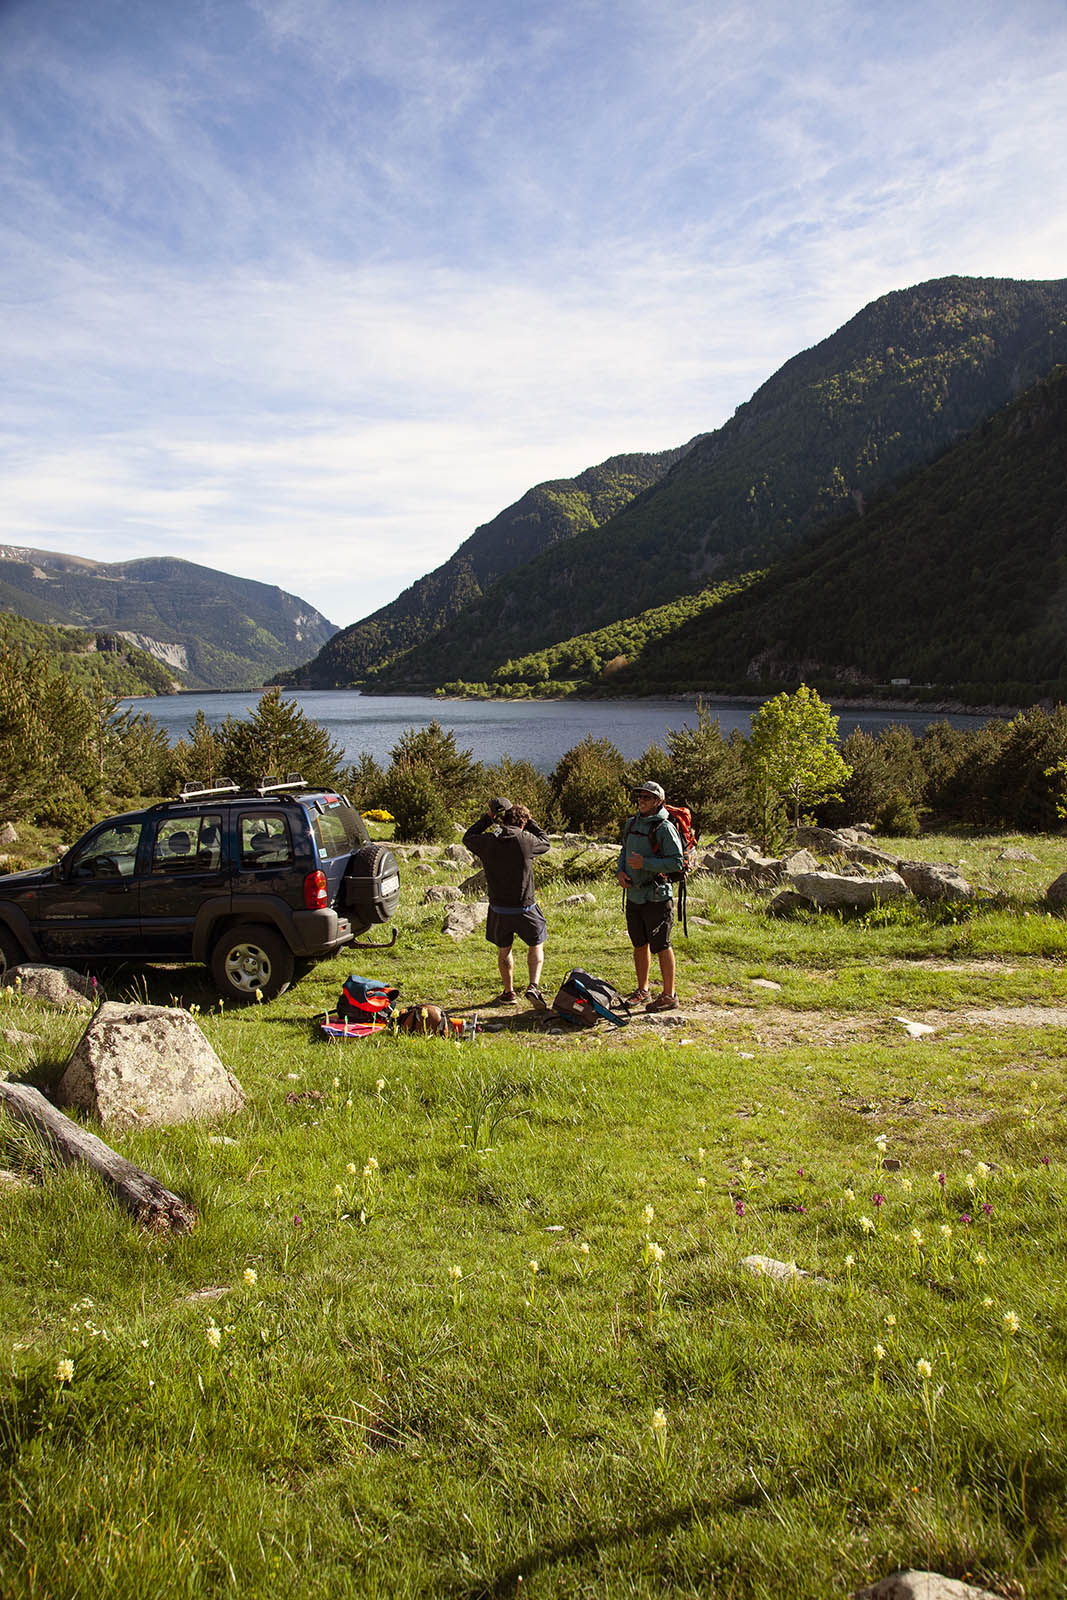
653,789
498,805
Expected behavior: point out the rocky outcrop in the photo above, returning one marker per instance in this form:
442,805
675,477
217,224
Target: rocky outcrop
143,1065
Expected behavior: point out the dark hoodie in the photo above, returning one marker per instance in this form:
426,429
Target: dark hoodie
508,858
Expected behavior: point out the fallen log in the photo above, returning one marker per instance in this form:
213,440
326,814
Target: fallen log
143,1195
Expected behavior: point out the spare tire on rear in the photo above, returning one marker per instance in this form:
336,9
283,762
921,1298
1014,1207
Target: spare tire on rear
371,888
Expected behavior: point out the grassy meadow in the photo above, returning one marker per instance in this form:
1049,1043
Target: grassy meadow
470,1319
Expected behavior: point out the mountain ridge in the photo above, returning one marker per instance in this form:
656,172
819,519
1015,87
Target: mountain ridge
216,630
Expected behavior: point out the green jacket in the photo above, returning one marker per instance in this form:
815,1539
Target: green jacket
638,838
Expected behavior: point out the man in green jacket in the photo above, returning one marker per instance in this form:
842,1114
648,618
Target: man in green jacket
650,853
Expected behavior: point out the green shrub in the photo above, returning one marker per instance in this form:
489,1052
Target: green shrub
419,813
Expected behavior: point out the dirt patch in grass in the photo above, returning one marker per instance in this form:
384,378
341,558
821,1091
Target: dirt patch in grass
742,1027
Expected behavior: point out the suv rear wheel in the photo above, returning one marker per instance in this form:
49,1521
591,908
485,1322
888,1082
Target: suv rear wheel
252,958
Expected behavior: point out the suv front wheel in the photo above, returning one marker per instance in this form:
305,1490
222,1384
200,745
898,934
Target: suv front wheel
252,963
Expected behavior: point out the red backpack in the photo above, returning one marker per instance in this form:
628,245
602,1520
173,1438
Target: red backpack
682,818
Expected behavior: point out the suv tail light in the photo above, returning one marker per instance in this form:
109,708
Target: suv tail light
316,893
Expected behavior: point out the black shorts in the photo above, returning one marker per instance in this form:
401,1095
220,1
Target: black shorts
650,922
503,927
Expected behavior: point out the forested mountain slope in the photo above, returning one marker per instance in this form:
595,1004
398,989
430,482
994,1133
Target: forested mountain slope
544,517
904,380
959,577
210,629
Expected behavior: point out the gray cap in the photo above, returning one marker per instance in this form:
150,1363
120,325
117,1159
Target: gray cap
498,805
653,789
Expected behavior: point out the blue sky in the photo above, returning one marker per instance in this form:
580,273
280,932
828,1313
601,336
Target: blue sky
307,289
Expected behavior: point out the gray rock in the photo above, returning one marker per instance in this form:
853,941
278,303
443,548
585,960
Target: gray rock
935,880
1056,893
799,861
829,841
789,901
768,1267
439,893
139,1065
1013,852
55,986
913,1585
834,890
476,884
579,900
865,855
764,983
10,1181
8,834
421,866
719,861
758,871
461,920
458,852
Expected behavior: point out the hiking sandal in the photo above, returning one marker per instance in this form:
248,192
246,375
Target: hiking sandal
663,1002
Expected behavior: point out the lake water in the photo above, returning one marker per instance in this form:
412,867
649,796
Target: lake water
538,731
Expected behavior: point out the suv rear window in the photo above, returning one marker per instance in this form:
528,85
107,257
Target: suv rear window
338,830
264,841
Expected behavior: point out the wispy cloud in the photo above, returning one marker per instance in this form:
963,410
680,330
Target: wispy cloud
323,283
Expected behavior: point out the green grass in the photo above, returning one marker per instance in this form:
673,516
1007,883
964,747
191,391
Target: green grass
305,1396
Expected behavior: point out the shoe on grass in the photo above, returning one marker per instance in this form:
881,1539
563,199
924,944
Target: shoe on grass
536,998
638,997
508,998
663,1002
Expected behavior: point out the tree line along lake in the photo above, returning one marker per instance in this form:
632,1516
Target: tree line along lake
538,731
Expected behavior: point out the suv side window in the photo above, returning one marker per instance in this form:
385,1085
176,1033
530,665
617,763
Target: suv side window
330,834
188,844
264,840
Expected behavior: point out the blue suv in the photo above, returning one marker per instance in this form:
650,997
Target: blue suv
255,884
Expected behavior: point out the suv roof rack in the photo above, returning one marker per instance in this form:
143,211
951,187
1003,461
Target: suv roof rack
192,791
271,785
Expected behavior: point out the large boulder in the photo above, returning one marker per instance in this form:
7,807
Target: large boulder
138,1065
460,853
935,880
54,986
835,891
8,834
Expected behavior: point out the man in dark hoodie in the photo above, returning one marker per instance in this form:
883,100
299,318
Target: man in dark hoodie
507,840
